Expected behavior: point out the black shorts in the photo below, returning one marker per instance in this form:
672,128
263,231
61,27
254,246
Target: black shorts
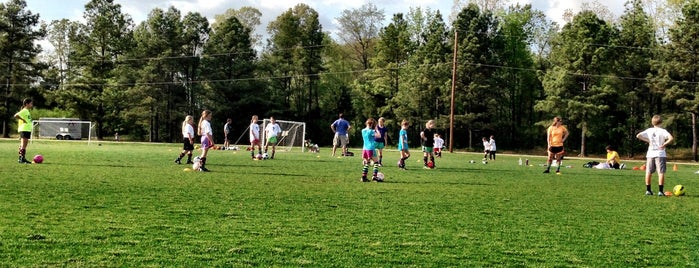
556,149
25,134
187,146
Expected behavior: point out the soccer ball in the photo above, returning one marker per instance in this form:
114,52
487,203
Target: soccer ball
430,164
679,190
265,156
197,163
38,159
379,177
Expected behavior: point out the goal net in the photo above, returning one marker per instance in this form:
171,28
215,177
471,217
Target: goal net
291,138
63,129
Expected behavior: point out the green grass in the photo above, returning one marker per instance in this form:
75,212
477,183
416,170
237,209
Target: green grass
126,204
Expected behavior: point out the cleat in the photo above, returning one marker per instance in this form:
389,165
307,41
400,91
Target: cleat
363,179
203,169
425,167
547,171
661,194
649,193
177,161
558,172
190,162
374,179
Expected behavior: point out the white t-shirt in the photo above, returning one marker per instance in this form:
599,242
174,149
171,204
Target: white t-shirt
486,145
254,131
272,130
206,128
188,131
492,145
657,136
438,143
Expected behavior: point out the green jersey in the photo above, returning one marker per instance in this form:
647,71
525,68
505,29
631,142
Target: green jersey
26,125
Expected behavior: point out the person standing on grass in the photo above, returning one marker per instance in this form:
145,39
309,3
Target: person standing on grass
438,144
427,138
255,137
403,143
272,130
340,127
493,148
656,157
382,139
24,127
187,140
207,138
369,135
556,135
227,132
486,148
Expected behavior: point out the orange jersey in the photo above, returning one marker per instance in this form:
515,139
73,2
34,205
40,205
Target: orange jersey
555,135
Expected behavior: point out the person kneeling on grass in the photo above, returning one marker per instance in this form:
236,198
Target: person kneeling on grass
613,158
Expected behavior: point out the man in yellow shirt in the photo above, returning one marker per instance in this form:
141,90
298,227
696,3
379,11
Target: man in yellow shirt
612,157
24,127
556,135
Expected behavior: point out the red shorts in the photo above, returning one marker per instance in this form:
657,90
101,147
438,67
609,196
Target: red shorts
367,154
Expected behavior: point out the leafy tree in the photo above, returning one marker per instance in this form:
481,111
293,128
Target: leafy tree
195,36
383,81
630,103
19,32
296,46
359,28
477,42
97,48
517,85
575,87
229,67
681,67
248,16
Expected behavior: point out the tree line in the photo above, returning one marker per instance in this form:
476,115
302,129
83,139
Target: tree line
510,68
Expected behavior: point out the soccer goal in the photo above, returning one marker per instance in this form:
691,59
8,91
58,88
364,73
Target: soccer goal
292,137
63,129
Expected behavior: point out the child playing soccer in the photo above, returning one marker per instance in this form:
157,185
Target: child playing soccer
656,157
438,144
427,136
24,127
369,135
187,140
207,139
381,139
403,144
271,132
255,137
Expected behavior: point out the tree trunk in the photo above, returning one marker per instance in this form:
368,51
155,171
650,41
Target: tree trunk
582,140
694,136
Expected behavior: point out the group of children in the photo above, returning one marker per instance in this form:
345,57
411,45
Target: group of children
374,138
207,141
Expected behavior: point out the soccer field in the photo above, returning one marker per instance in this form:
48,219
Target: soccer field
127,204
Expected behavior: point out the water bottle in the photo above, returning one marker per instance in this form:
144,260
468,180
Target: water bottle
527,162
520,161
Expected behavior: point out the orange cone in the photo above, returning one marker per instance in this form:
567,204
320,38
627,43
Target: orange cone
674,168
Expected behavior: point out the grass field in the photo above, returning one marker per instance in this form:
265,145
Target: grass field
126,204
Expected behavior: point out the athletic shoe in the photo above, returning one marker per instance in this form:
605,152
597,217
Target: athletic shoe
23,161
649,193
380,165
425,167
189,162
558,172
177,161
364,179
661,194
547,171
203,169
374,179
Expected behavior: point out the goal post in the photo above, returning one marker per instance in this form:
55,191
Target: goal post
292,136
63,129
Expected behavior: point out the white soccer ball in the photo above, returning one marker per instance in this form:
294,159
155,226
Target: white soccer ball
379,177
265,156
